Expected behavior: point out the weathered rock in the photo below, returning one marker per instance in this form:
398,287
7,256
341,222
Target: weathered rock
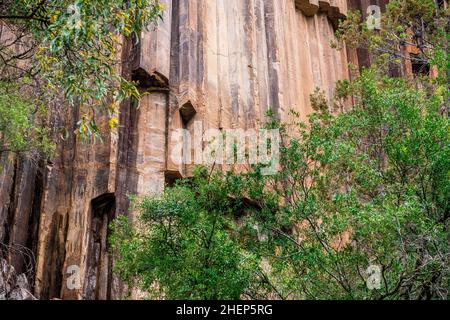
223,63
13,286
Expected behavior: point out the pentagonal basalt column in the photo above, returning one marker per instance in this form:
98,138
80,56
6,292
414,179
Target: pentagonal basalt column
335,9
147,81
181,139
308,7
187,40
151,60
146,155
187,113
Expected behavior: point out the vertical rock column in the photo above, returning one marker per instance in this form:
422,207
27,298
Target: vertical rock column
149,143
151,54
150,127
186,78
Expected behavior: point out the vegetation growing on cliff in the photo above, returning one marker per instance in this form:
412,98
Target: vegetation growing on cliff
183,246
359,210
366,187
415,31
50,48
20,129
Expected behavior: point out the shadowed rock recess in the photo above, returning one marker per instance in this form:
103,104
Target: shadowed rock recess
221,62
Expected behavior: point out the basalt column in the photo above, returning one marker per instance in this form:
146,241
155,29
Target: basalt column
149,139
214,63
99,271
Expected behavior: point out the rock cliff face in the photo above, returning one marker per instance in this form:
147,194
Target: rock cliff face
221,62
